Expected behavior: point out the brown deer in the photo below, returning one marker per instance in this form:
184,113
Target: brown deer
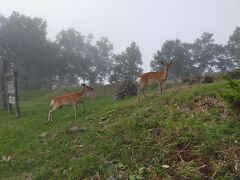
153,78
70,99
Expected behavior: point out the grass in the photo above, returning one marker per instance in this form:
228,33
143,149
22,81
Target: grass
185,134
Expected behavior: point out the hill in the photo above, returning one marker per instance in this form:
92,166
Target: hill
188,133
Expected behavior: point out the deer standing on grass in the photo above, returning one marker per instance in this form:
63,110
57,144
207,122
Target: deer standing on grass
70,99
153,78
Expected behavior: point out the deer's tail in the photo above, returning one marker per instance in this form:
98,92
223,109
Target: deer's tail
138,80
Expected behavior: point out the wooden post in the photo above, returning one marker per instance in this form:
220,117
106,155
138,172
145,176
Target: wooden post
16,94
12,93
3,71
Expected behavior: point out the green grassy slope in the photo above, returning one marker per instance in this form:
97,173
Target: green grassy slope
186,133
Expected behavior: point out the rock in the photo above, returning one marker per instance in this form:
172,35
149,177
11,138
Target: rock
76,129
44,136
95,177
110,178
121,177
104,122
165,166
76,141
102,119
110,112
30,161
6,158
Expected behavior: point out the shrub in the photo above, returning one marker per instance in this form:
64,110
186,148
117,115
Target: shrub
234,74
232,95
207,79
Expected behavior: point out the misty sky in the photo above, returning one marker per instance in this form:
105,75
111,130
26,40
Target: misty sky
148,22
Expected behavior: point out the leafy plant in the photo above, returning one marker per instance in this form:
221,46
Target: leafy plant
232,94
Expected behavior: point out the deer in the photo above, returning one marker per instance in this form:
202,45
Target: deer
70,99
153,78
127,87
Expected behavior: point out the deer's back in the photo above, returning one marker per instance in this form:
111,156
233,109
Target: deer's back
152,77
68,98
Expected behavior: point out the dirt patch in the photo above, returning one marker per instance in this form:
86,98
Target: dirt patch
202,162
203,104
208,102
157,131
76,129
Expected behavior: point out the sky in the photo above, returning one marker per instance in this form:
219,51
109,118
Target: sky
147,22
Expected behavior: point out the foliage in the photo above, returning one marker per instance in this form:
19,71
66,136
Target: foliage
232,94
203,53
179,53
202,57
209,56
74,57
234,46
43,64
23,43
126,66
234,74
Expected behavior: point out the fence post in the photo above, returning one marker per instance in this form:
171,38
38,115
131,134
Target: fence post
16,94
3,71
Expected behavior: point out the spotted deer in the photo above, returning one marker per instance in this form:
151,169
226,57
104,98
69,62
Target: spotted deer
70,99
153,78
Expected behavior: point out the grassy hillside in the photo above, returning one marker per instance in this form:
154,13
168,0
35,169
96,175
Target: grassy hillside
188,133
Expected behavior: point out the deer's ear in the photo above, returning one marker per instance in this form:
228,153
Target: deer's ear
83,84
162,63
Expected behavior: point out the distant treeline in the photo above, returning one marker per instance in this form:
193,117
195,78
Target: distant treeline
74,57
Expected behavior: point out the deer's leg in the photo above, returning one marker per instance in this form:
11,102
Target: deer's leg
49,116
141,90
160,88
138,94
75,110
144,93
83,103
50,113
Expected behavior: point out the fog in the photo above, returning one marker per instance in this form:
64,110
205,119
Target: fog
148,22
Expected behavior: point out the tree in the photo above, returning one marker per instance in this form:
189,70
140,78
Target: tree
127,64
210,57
233,46
223,62
82,59
52,66
119,68
73,57
179,53
204,54
22,41
100,57
104,62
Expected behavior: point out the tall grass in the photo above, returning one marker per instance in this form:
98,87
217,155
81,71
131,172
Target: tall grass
184,134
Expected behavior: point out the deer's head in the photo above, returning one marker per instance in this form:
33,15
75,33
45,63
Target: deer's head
167,63
89,91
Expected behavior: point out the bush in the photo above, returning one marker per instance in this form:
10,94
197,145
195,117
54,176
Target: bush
232,95
207,79
197,79
234,74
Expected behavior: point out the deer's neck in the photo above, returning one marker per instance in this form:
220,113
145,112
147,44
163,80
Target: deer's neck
82,94
165,71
